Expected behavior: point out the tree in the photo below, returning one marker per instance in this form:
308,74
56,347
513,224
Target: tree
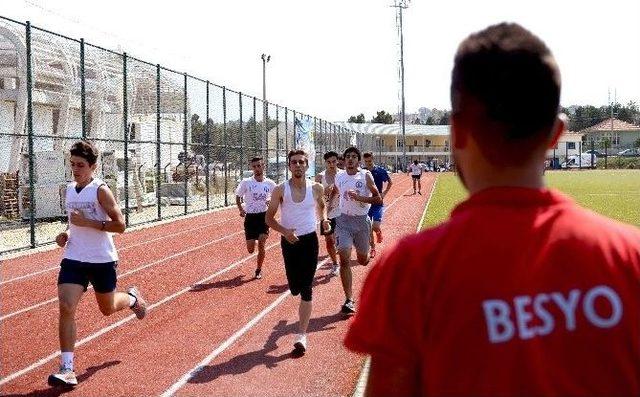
383,118
444,120
416,121
357,119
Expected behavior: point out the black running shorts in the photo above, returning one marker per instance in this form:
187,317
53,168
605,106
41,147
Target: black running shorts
255,225
101,275
300,262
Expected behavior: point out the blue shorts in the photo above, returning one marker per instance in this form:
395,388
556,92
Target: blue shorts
101,275
376,212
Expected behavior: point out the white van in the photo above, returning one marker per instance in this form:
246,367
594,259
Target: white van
585,160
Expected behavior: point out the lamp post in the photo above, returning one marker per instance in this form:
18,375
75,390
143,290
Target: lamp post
265,58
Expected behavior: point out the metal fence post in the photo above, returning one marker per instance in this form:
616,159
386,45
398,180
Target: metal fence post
277,144
83,93
255,130
241,130
32,196
592,154
207,146
125,122
286,139
158,147
184,146
226,148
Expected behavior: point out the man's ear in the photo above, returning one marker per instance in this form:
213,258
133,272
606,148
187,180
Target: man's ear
559,127
458,133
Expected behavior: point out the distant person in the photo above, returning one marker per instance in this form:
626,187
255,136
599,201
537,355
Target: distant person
521,292
357,192
301,203
340,163
415,170
376,212
255,192
89,256
327,179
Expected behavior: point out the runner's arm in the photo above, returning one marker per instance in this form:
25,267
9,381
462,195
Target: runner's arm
318,196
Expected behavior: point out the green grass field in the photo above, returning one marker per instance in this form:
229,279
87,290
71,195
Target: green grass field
613,193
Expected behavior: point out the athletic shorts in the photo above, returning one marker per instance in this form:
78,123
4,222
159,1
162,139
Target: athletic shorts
333,227
101,275
353,231
300,262
416,176
255,225
376,212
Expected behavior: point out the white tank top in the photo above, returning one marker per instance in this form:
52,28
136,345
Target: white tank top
86,244
299,216
335,202
358,183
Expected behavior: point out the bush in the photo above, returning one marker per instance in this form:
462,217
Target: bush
620,163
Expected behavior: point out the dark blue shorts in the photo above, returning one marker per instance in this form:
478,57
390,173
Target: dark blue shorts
376,212
101,275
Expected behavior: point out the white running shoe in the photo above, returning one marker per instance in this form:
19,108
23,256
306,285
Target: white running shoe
140,307
336,269
300,345
65,378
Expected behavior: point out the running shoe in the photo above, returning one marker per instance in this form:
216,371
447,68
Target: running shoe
349,307
65,378
258,274
336,269
300,345
140,307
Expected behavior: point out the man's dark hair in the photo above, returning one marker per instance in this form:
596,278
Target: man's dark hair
296,152
352,149
505,85
366,155
415,161
330,154
341,157
254,159
86,150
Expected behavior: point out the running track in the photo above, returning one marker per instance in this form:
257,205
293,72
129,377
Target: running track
211,329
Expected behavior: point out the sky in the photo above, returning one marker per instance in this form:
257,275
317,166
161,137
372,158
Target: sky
336,58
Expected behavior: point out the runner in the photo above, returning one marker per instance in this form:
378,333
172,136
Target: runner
521,292
340,163
89,255
357,192
415,169
327,179
256,193
301,202
380,176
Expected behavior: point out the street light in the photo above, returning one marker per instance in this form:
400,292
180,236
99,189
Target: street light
265,58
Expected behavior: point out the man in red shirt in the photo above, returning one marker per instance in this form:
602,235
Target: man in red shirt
521,292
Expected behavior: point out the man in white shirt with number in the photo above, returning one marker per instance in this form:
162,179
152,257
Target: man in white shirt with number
256,193
357,191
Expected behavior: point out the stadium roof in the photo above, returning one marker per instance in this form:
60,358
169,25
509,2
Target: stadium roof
393,129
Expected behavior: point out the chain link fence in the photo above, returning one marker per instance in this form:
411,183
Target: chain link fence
171,144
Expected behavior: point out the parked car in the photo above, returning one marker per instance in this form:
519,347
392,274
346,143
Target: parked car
595,152
582,161
635,152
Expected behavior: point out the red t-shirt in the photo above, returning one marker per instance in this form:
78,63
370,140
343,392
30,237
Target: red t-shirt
521,292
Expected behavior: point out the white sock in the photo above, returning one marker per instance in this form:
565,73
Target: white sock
132,300
66,360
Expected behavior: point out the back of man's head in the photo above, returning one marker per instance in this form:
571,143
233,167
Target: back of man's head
505,89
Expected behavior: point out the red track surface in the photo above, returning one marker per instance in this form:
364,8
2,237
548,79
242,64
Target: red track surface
202,295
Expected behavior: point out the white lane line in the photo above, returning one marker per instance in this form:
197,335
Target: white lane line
135,270
103,331
225,345
361,386
119,249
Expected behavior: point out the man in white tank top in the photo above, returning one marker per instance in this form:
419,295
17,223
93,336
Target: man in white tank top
89,255
357,191
256,193
301,202
327,179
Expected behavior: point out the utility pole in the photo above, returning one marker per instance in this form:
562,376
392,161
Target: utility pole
400,5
